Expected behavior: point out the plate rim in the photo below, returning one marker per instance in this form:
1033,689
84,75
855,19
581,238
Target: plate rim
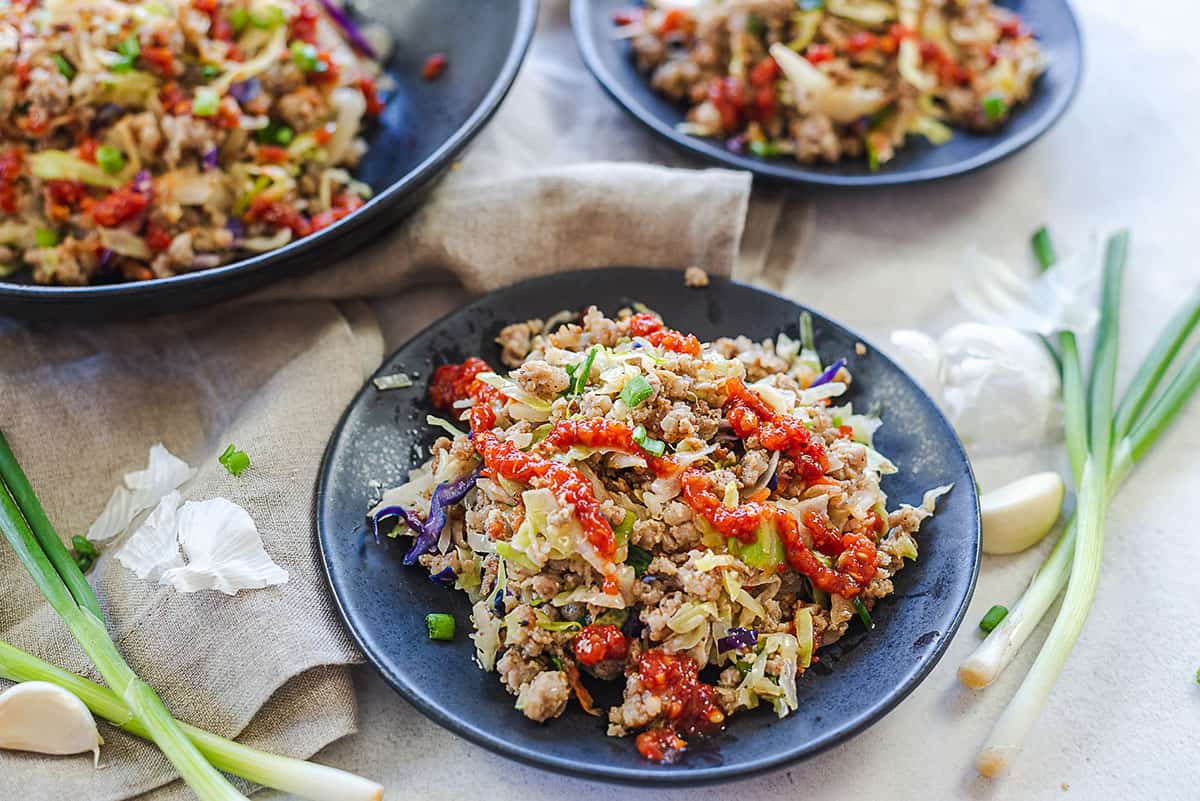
434,164
799,174
706,775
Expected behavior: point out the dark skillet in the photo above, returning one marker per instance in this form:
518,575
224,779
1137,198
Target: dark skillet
1053,21
425,126
383,435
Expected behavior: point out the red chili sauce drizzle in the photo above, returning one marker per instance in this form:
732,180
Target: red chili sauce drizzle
600,432
751,416
600,643
650,327
452,382
689,705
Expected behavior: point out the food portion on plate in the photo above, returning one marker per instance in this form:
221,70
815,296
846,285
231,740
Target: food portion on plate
147,139
694,520
820,81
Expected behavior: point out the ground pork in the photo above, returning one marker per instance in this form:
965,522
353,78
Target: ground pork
541,378
515,341
545,697
695,277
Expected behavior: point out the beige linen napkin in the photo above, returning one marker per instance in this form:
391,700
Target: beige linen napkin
81,404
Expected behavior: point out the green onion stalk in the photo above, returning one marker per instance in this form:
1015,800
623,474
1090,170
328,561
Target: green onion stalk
30,534
304,779
1136,429
1114,445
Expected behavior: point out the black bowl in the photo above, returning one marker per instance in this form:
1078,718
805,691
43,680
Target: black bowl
383,435
425,126
1053,21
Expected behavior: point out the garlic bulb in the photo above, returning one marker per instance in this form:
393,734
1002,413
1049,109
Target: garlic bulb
46,719
1020,514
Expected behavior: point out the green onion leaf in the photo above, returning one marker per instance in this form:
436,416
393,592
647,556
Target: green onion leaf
440,626
639,559
84,546
284,135
235,461
64,66
808,339
994,107
110,159
1043,248
205,102
625,528
580,376
45,237
863,614
993,617
655,447
636,391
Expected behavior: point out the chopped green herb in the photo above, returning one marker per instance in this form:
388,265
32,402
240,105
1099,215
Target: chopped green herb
205,102
45,237
994,107
872,155
639,559
764,148
63,65
636,391
84,547
655,447
129,50
440,626
993,617
110,159
864,614
239,18
235,461
305,57
209,71
625,528
554,660
612,617
284,135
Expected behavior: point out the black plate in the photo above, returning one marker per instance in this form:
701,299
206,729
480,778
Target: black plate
1053,21
425,126
383,435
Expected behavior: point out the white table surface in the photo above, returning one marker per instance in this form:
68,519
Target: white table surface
1124,720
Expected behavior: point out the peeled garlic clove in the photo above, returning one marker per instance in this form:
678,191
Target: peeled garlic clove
1019,514
46,719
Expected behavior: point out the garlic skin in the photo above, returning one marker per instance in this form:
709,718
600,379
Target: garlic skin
46,719
1000,388
1018,515
921,357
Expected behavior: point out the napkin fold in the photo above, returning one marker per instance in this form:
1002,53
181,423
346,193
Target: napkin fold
273,373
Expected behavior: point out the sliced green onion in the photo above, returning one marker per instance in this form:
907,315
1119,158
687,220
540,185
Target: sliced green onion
284,135
209,71
234,460
205,102
582,372
864,614
993,617
305,57
45,237
625,528
110,159
239,18
763,148
636,391
639,559
655,447
440,626
129,51
64,66
808,340
994,107
84,546
1043,248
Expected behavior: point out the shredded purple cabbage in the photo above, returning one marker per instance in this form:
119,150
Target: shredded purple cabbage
827,376
736,145
106,257
236,227
210,159
773,482
737,639
351,30
105,116
428,531
245,91
141,183
446,576
632,627
498,607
